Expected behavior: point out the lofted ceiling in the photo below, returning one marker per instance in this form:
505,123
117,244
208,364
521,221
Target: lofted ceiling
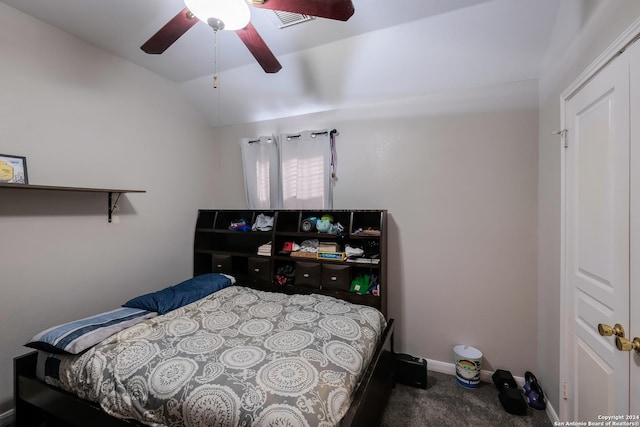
388,50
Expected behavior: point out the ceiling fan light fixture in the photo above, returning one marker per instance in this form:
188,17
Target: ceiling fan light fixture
234,14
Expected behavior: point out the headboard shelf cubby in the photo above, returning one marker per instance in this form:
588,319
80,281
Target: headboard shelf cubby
261,259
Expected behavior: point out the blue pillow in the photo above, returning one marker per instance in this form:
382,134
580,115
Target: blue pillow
181,294
79,335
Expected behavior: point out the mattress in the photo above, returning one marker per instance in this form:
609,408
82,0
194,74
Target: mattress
237,357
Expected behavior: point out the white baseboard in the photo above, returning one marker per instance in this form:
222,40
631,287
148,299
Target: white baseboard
551,413
450,369
6,418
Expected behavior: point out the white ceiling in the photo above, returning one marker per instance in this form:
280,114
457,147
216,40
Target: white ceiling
389,49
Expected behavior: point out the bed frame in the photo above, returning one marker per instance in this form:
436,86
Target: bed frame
40,405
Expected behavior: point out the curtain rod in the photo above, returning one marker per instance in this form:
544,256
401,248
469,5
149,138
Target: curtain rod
313,134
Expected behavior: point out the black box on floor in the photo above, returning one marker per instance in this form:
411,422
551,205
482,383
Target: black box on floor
513,401
409,370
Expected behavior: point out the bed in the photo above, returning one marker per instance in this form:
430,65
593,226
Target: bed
238,356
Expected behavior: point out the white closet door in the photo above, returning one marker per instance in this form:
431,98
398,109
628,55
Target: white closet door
597,242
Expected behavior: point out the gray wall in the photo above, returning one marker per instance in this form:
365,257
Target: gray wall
458,174
584,30
86,118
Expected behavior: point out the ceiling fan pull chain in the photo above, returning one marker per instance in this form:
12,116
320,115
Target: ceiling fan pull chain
215,59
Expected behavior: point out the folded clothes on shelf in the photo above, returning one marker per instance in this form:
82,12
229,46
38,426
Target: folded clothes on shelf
310,245
367,231
263,223
352,251
239,225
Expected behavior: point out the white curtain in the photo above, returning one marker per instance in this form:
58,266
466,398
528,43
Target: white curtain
305,170
261,169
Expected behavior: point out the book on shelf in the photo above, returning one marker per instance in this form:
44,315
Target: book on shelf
327,247
265,250
331,255
364,260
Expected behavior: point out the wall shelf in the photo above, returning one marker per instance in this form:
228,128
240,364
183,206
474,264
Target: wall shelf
109,191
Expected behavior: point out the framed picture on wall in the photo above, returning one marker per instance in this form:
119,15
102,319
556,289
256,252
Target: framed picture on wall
13,169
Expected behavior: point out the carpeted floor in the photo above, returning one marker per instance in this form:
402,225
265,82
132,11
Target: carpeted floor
445,403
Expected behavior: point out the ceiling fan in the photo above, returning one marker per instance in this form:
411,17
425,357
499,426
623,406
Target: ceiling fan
235,15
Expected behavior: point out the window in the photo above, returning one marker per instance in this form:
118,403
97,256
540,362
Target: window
295,173
261,169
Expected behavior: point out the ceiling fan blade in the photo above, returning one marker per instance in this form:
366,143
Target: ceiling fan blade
259,49
332,9
171,32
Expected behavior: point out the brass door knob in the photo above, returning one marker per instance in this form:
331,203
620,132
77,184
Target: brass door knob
606,330
624,344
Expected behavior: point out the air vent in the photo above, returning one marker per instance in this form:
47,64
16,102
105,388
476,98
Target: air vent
287,19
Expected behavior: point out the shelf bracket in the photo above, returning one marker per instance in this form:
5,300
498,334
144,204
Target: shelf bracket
112,205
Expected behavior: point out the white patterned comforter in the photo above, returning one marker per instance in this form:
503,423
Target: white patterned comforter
238,357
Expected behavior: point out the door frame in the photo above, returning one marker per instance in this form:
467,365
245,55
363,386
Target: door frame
616,48
634,237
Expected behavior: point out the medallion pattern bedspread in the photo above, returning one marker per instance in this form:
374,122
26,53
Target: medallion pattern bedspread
239,357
